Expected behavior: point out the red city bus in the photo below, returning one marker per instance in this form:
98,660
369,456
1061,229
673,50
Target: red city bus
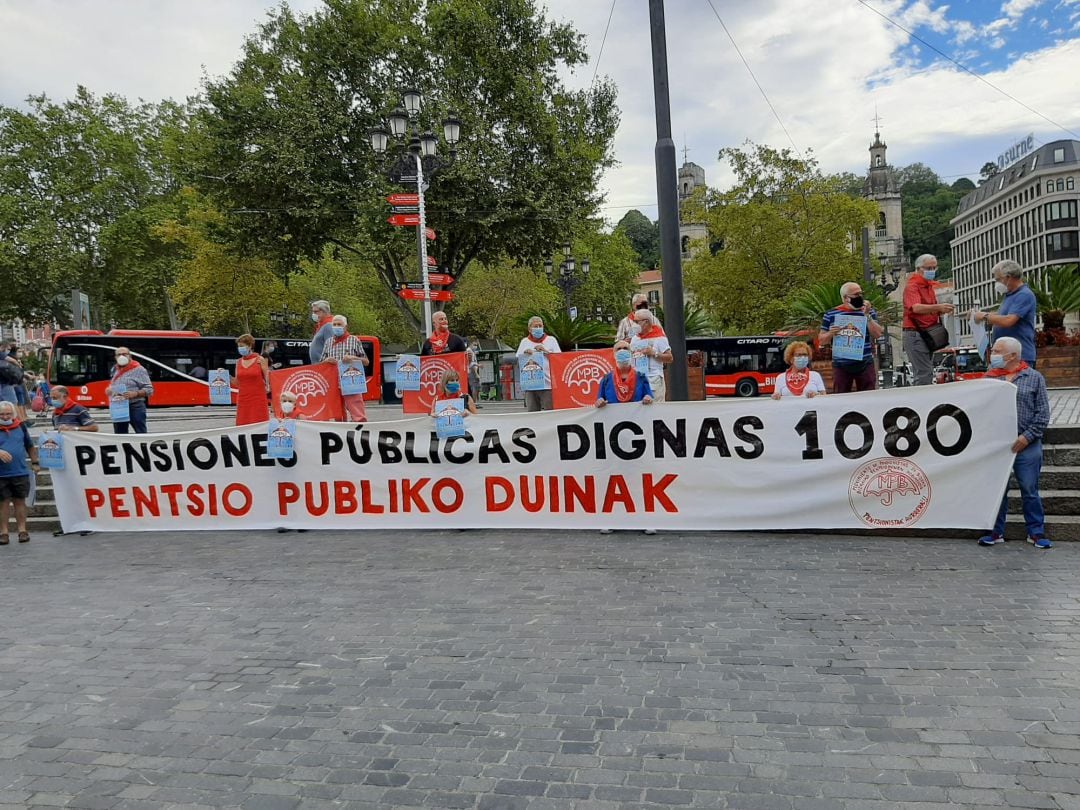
742,366
177,362
958,363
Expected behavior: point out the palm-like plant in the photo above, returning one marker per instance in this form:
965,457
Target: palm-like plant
695,321
1058,294
570,333
808,305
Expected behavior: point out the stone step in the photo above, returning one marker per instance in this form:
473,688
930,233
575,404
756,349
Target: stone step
1055,501
1062,434
1056,478
1061,455
1059,528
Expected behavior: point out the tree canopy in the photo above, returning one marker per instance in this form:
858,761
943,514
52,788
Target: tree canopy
644,236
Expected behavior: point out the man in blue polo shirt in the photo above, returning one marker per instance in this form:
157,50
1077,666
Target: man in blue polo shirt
848,374
68,415
1015,317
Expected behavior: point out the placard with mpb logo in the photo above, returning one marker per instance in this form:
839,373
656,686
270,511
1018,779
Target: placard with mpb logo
534,371
220,392
119,405
407,372
450,417
351,378
280,438
51,450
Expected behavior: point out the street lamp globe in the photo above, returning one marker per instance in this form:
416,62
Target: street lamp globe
428,144
585,266
399,122
452,129
549,268
379,140
412,102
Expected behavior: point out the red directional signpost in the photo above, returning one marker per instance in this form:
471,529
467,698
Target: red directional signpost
408,200
429,233
418,295
404,220
440,279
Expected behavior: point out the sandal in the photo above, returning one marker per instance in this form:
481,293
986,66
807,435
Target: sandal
24,537
4,539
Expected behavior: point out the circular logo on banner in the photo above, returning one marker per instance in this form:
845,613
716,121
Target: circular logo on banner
310,390
889,492
582,377
433,368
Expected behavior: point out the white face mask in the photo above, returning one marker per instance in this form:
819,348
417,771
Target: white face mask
1000,288
287,407
123,360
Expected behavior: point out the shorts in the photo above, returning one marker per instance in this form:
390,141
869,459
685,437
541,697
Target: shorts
15,489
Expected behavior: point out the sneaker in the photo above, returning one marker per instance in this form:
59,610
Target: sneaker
1040,542
606,531
991,539
649,531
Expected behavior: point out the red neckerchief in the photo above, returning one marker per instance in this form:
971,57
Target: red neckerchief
67,406
122,370
796,380
16,424
1000,372
654,332
534,340
438,344
341,339
322,322
624,389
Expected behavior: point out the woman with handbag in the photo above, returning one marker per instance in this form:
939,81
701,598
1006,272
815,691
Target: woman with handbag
924,333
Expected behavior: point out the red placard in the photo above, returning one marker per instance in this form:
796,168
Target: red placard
404,219
576,376
440,279
428,232
432,261
433,295
403,199
318,395
431,371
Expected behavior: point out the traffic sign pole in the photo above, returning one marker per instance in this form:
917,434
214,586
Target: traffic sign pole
421,241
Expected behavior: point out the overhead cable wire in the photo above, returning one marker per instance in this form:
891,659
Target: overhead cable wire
607,27
749,70
966,69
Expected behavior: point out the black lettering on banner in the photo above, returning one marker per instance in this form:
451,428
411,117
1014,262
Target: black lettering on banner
522,439
637,446
807,427
849,419
662,436
956,414
580,448
448,450
84,457
211,459
159,449
359,443
389,444
330,444
894,434
234,450
757,446
108,460
491,445
598,445
711,435
410,456
136,454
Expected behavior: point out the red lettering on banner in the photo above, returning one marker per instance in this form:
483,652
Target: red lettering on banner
226,499
95,499
618,492
146,503
584,495
532,502
212,500
288,494
410,494
497,502
196,507
317,509
172,490
344,497
368,507
654,491
116,502
440,501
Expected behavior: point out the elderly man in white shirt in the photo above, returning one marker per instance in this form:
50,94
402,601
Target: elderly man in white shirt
651,351
538,341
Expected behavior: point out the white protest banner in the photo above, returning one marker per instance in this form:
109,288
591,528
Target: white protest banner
926,457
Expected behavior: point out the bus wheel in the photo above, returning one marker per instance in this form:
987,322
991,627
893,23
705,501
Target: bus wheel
746,388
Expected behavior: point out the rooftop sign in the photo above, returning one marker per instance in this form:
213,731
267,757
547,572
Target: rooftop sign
1018,150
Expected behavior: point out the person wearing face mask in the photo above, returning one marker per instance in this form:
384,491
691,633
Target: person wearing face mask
537,341
857,375
131,381
1015,317
799,380
252,381
343,347
15,445
321,317
67,415
628,326
1032,417
450,388
624,384
442,340
922,311
288,406
651,344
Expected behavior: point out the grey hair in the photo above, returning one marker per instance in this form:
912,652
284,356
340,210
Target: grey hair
339,315
638,298
919,262
645,314
534,319
1007,267
5,405
322,306
1010,345
846,288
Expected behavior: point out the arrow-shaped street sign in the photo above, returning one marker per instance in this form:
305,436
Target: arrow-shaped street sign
428,232
404,219
418,295
403,199
440,279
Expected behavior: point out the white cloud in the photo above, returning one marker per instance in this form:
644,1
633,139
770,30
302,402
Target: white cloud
1018,8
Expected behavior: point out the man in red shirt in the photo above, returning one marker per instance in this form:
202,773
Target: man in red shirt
921,311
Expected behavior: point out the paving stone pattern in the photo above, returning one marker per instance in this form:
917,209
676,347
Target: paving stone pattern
1064,406
515,670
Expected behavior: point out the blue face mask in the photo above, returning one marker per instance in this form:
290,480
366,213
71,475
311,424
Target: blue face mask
56,403
537,333
622,356
244,351
802,361
997,361
338,330
453,387
929,274
6,422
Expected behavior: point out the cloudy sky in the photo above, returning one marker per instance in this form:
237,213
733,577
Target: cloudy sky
825,65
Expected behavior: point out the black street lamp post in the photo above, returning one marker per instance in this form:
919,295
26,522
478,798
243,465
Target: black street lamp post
887,284
285,320
569,277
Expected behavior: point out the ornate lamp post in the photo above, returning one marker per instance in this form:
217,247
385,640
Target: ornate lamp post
887,284
421,148
285,319
569,277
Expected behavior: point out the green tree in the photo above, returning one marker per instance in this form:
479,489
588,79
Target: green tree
806,306
570,332
644,236
493,299
916,175
988,170
289,132
783,226
1058,294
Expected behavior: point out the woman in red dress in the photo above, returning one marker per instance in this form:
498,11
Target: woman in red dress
252,381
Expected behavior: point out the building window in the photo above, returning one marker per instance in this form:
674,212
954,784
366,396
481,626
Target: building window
881,230
1070,184
1060,184
685,245
654,297
1059,155
1062,245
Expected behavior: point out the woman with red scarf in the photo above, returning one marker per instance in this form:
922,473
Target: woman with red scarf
538,342
442,340
130,381
624,384
252,382
799,380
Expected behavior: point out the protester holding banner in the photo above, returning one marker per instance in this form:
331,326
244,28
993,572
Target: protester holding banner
624,384
68,415
1032,417
538,342
252,381
450,388
15,443
442,340
320,315
799,380
345,348
922,320
852,329
628,327
651,352
131,382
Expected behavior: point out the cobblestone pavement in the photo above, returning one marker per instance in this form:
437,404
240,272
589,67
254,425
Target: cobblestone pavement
1064,406
511,670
